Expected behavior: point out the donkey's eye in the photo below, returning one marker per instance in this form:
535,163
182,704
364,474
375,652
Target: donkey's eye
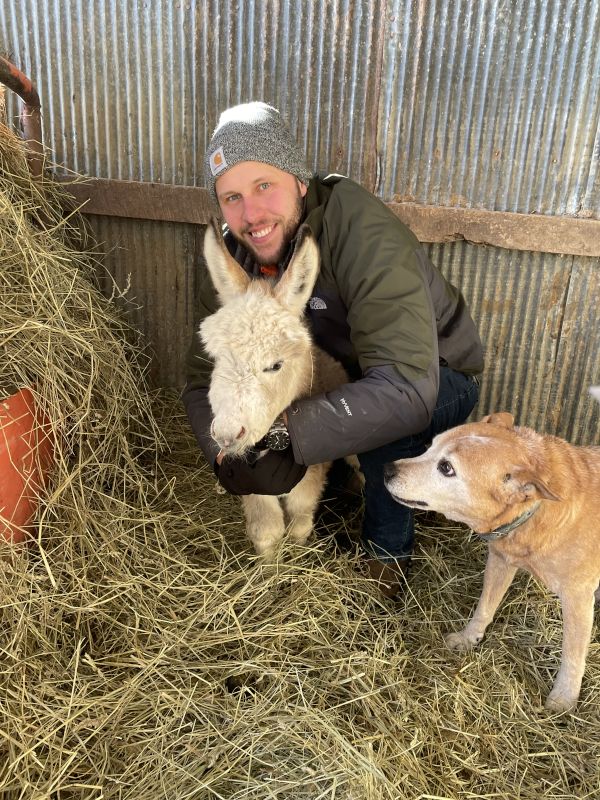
274,367
446,468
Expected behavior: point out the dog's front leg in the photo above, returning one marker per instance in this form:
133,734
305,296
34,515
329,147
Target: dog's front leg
497,578
578,618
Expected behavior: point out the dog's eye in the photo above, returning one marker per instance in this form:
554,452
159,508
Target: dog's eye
507,477
274,367
446,468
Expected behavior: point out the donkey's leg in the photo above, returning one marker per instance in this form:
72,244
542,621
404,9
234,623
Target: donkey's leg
353,462
265,525
301,502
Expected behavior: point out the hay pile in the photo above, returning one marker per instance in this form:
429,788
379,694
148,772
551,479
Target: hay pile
146,654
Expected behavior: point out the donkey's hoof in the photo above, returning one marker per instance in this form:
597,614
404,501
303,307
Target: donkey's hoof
459,641
267,550
560,703
302,537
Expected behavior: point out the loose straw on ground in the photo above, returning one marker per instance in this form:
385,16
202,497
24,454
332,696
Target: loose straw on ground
146,653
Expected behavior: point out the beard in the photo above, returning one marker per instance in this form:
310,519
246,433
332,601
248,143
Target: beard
289,229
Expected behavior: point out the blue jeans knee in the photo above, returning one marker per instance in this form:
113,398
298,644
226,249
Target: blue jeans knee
388,526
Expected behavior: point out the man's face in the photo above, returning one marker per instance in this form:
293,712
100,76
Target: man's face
262,206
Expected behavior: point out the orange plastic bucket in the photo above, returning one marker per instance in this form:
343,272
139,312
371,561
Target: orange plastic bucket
26,453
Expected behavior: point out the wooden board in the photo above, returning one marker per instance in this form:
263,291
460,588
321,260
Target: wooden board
531,232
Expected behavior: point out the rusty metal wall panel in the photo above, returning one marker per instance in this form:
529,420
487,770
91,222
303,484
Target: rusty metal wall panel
156,263
571,408
494,104
318,62
133,90
116,81
538,318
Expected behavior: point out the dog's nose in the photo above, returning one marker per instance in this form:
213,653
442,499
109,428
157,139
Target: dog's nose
388,472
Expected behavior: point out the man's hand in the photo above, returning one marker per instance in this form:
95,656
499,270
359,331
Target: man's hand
273,473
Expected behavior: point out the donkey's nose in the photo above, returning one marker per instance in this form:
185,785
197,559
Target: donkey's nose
225,437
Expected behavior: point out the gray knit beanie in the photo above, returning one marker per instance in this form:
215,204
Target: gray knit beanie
253,132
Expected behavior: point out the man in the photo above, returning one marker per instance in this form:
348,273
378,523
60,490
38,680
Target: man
379,306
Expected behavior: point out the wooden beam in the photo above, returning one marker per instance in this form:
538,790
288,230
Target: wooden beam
136,200
531,232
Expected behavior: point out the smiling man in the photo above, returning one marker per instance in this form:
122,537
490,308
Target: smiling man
380,307
263,207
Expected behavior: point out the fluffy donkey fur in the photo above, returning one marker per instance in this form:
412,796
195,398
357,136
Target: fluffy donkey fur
264,359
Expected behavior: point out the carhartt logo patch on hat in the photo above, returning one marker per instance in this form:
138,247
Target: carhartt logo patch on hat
217,161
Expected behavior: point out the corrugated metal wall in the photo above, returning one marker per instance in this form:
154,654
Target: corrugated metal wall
491,104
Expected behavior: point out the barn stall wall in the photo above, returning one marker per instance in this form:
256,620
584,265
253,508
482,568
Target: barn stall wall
448,108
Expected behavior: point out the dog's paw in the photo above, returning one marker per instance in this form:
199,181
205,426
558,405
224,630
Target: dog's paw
560,703
460,641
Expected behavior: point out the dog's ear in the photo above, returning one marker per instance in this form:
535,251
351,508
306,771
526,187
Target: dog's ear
501,418
530,486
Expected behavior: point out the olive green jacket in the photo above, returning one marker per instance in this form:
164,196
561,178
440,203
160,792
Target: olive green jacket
381,308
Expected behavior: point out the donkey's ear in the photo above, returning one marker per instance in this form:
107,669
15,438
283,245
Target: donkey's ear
228,278
296,285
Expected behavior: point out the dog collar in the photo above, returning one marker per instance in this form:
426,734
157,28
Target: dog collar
504,530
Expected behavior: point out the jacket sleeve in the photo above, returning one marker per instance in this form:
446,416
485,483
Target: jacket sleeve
373,261
198,374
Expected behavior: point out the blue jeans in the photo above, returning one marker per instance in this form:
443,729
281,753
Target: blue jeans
388,526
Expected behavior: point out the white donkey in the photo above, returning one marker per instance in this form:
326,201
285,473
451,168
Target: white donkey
264,359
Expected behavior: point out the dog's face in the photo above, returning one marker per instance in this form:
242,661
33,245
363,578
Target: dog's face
476,474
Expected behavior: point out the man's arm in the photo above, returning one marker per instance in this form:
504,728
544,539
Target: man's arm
378,271
379,408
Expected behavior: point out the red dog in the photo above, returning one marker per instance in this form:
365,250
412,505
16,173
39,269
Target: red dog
536,500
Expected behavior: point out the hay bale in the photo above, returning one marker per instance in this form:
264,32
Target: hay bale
146,653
